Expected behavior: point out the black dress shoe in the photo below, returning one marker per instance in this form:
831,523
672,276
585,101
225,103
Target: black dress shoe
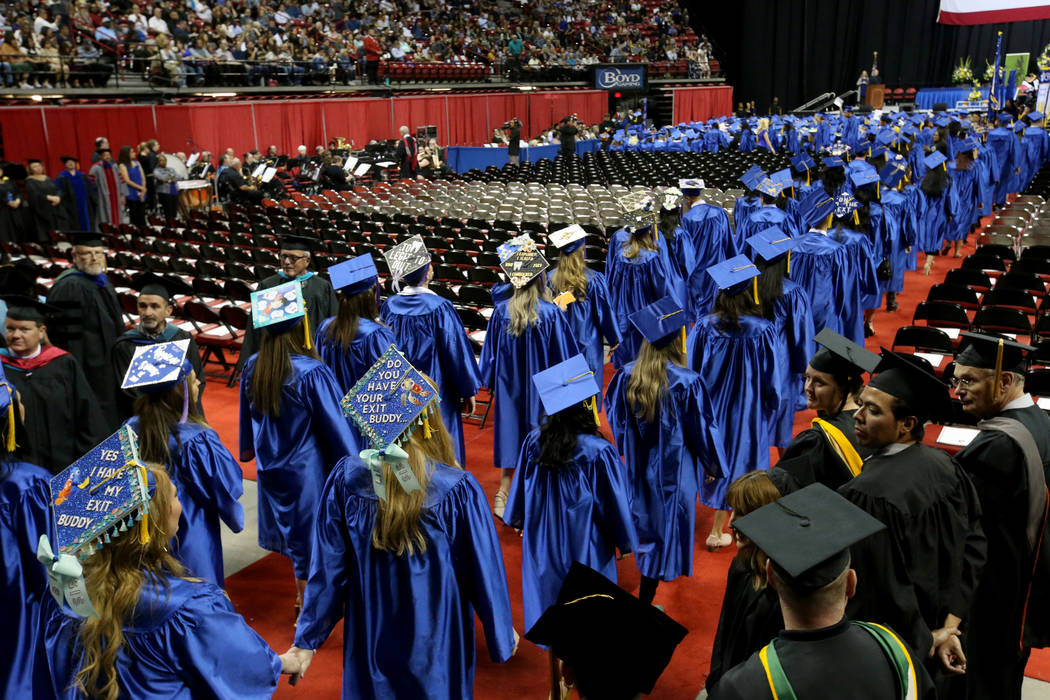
869,330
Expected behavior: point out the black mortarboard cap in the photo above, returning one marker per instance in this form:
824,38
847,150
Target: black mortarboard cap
19,277
292,242
596,626
25,308
161,286
92,239
841,357
982,351
911,380
807,535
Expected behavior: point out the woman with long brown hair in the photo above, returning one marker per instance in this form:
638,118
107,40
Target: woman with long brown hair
143,628
525,335
171,431
406,551
665,429
291,423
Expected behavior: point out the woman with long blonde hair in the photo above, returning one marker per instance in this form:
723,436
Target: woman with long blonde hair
147,608
406,551
291,423
526,335
665,429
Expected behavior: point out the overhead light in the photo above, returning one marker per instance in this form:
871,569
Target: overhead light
36,98
525,88
215,94
439,89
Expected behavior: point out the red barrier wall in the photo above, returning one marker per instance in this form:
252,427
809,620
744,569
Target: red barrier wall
702,103
47,132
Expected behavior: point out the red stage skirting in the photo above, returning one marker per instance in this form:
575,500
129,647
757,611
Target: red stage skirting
462,120
701,103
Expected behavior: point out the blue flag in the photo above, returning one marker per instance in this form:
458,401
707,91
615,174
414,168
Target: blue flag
995,90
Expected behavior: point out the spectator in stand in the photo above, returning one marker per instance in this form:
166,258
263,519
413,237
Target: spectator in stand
157,22
372,53
15,61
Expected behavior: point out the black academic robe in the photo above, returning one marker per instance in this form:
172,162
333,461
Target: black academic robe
749,620
842,662
810,457
62,419
321,303
925,564
93,324
124,350
45,216
995,463
10,219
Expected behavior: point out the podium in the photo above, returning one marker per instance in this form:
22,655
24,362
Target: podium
875,96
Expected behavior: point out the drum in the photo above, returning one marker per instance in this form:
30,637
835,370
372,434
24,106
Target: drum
194,195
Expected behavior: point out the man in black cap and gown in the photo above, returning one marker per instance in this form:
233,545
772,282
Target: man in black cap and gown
821,653
921,572
94,320
62,419
1007,462
155,306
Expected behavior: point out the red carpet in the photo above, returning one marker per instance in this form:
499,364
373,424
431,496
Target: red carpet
264,592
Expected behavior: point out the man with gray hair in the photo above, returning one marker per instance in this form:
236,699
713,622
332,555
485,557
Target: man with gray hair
407,153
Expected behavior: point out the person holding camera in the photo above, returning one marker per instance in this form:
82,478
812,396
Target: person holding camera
513,128
567,135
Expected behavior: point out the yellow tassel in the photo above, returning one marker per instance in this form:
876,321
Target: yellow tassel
827,224
856,218
306,331
789,262
754,288
998,370
878,190
11,428
683,338
593,401
144,522
807,177
427,432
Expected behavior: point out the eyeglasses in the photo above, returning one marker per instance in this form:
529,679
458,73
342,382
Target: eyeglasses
964,382
289,258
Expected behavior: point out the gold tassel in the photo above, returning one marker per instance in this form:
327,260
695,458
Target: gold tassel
856,218
144,521
789,262
827,224
306,331
427,432
11,427
998,370
683,338
807,177
754,288
878,190
593,401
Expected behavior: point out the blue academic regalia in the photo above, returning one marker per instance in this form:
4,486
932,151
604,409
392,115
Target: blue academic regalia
25,514
580,512
765,217
294,452
78,185
592,320
209,482
184,642
633,285
665,461
894,215
820,265
933,222
742,209
967,197
507,363
794,321
431,336
742,368
409,628
1003,142
747,139
987,163
708,228
861,284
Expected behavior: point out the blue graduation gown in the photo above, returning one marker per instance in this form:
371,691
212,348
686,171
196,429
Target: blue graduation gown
933,222
209,482
861,289
350,364
25,514
742,369
761,219
507,365
185,641
894,216
665,460
794,321
409,628
78,185
432,337
742,209
819,265
967,197
708,228
294,452
591,320
579,512
1004,144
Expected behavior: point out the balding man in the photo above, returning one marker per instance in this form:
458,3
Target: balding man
407,154
232,184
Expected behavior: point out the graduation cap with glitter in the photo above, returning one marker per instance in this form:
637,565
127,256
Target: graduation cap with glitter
568,239
521,260
566,384
691,187
94,500
406,257
353,276
732,275
638,211
845,206
671,199
391,401
281,308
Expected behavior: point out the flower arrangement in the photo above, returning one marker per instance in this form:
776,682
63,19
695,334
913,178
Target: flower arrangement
962,73
975,94
1043,59
989,69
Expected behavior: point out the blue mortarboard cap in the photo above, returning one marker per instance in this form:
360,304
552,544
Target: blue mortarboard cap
802,162
1035,116
1018,127
833,162
406,257
691,187
752,177
934,160
942,121
886,137
918,119
660,321
158,367
783,177
864,176
390,400
770,187
845,205
1005,117
969,144
731,275
891,174
282,304
909,131
355,275
565,384
823,209
521,260
771,244
100,495
568,239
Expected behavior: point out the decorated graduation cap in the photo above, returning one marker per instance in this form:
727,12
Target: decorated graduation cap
843,359
167,288
771,244
353,276
595,626
845,206
280,309
568,239
691,187
158,368
94,501
893,172
566,384
993,352
638,211
660,321
671,199
770,187
807,535
732,275
521,260
391,401
934,160
752,177
406,258
906,378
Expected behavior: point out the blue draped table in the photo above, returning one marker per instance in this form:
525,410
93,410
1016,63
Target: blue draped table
464,158
928,97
